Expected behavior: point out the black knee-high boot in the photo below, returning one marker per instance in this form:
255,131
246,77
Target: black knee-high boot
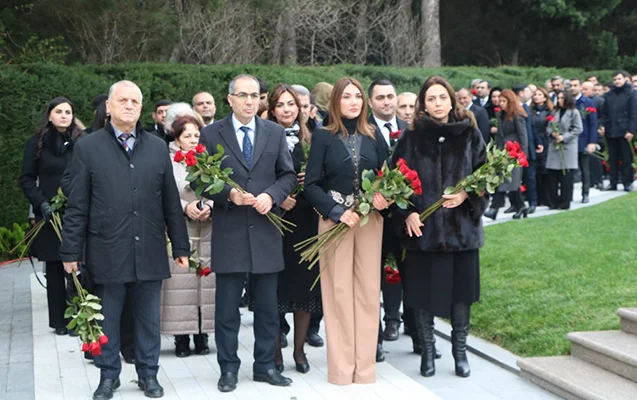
425,326
460,315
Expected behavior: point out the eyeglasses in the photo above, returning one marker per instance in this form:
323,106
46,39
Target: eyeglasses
244,96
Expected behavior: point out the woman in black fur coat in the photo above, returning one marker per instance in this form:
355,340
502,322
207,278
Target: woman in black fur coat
441,275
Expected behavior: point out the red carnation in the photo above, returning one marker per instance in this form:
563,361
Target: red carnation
523,161
404,169
179,156
497,109
522,188
204,272
200,148
417,187
411,175
401,161
474,92
380,173
591,109
388,269
509,146
191,161
103,340
394,135
550,118
95,348
85,347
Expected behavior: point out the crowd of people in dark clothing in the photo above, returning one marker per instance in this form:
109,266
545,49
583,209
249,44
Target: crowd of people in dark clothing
126,193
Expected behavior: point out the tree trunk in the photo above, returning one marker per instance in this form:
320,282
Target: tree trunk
430,29
289,49
361,34
277,42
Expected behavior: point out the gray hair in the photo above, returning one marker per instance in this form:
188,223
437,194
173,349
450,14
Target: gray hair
236,78
176,110
475,82
301,90
557,78
125,83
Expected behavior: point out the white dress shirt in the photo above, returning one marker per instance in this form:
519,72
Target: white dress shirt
240,134
383,128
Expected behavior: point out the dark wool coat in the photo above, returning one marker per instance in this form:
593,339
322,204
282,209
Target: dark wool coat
120,207
244,240
620,111
40,180
443,154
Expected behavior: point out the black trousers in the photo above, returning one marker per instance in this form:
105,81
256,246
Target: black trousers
558,181
597,171
619,151
56,293
529,178
514,197
228,320
127,326
145,300
584,160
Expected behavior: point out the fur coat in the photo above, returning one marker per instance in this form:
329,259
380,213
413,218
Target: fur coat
443,154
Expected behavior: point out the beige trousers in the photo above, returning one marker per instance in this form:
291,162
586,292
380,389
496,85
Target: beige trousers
350,287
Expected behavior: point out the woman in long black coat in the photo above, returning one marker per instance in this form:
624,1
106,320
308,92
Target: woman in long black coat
442,262
541,108
294,294
46,155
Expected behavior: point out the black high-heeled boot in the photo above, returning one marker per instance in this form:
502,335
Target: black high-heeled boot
460,315
522,213
491,213
201,344
425,327
182,345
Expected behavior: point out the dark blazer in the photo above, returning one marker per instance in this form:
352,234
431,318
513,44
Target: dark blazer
443,154
330,167
533,138
40,180
246,241
120,207
402,125
589,123
482,118
620,111
159,132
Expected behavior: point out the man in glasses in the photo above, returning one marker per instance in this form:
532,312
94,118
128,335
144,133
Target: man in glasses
246,241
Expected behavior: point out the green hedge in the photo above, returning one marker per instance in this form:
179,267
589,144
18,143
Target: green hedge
25,90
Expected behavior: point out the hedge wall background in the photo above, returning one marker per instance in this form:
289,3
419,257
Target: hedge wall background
26,89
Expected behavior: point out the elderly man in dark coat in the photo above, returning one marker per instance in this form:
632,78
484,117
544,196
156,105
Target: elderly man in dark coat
122,198
244,240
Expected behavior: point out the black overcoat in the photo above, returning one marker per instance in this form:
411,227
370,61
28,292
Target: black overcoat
244,240
120,207
443,154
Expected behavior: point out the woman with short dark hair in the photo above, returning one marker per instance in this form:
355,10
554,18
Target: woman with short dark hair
46,155
441,269
188,300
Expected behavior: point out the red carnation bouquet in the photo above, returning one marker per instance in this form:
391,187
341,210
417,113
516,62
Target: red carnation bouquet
396,185
84,309
498,168
206,171
392,275
555,127
588,110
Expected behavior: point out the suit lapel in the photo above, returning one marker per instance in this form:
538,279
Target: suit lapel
229,136
261,137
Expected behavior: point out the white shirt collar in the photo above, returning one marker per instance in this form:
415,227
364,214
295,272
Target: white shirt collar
578,96
237,124
383,129
470,105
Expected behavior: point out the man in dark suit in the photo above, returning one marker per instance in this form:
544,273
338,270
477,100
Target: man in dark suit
383,103
535,146
247,242
595,164
159,117
122,198
588,137
482,118
483,90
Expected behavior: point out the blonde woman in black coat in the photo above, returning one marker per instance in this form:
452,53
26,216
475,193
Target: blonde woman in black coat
442,260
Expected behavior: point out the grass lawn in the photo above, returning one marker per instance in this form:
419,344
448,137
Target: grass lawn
544,277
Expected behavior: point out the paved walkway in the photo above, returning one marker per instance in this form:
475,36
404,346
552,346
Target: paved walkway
30,352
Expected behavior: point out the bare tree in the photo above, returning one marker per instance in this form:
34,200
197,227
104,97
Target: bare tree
430,28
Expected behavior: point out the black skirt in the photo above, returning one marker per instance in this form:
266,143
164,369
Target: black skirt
435,280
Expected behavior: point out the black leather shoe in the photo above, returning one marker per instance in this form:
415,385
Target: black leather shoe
491,213
279,367
105,389
610,187
182,345
628,188
380,353
61,331
273,377
390,333
437,354
227,382
314,339
585,199
532,209
151,387
303,366
510,210
284,341
201,344
522,213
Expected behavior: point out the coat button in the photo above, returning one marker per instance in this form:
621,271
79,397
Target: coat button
249,180
251,226
137,238
135,213
441,139
132,166
134,189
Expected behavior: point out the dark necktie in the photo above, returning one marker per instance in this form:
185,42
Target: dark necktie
123,138
247,146
389,130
